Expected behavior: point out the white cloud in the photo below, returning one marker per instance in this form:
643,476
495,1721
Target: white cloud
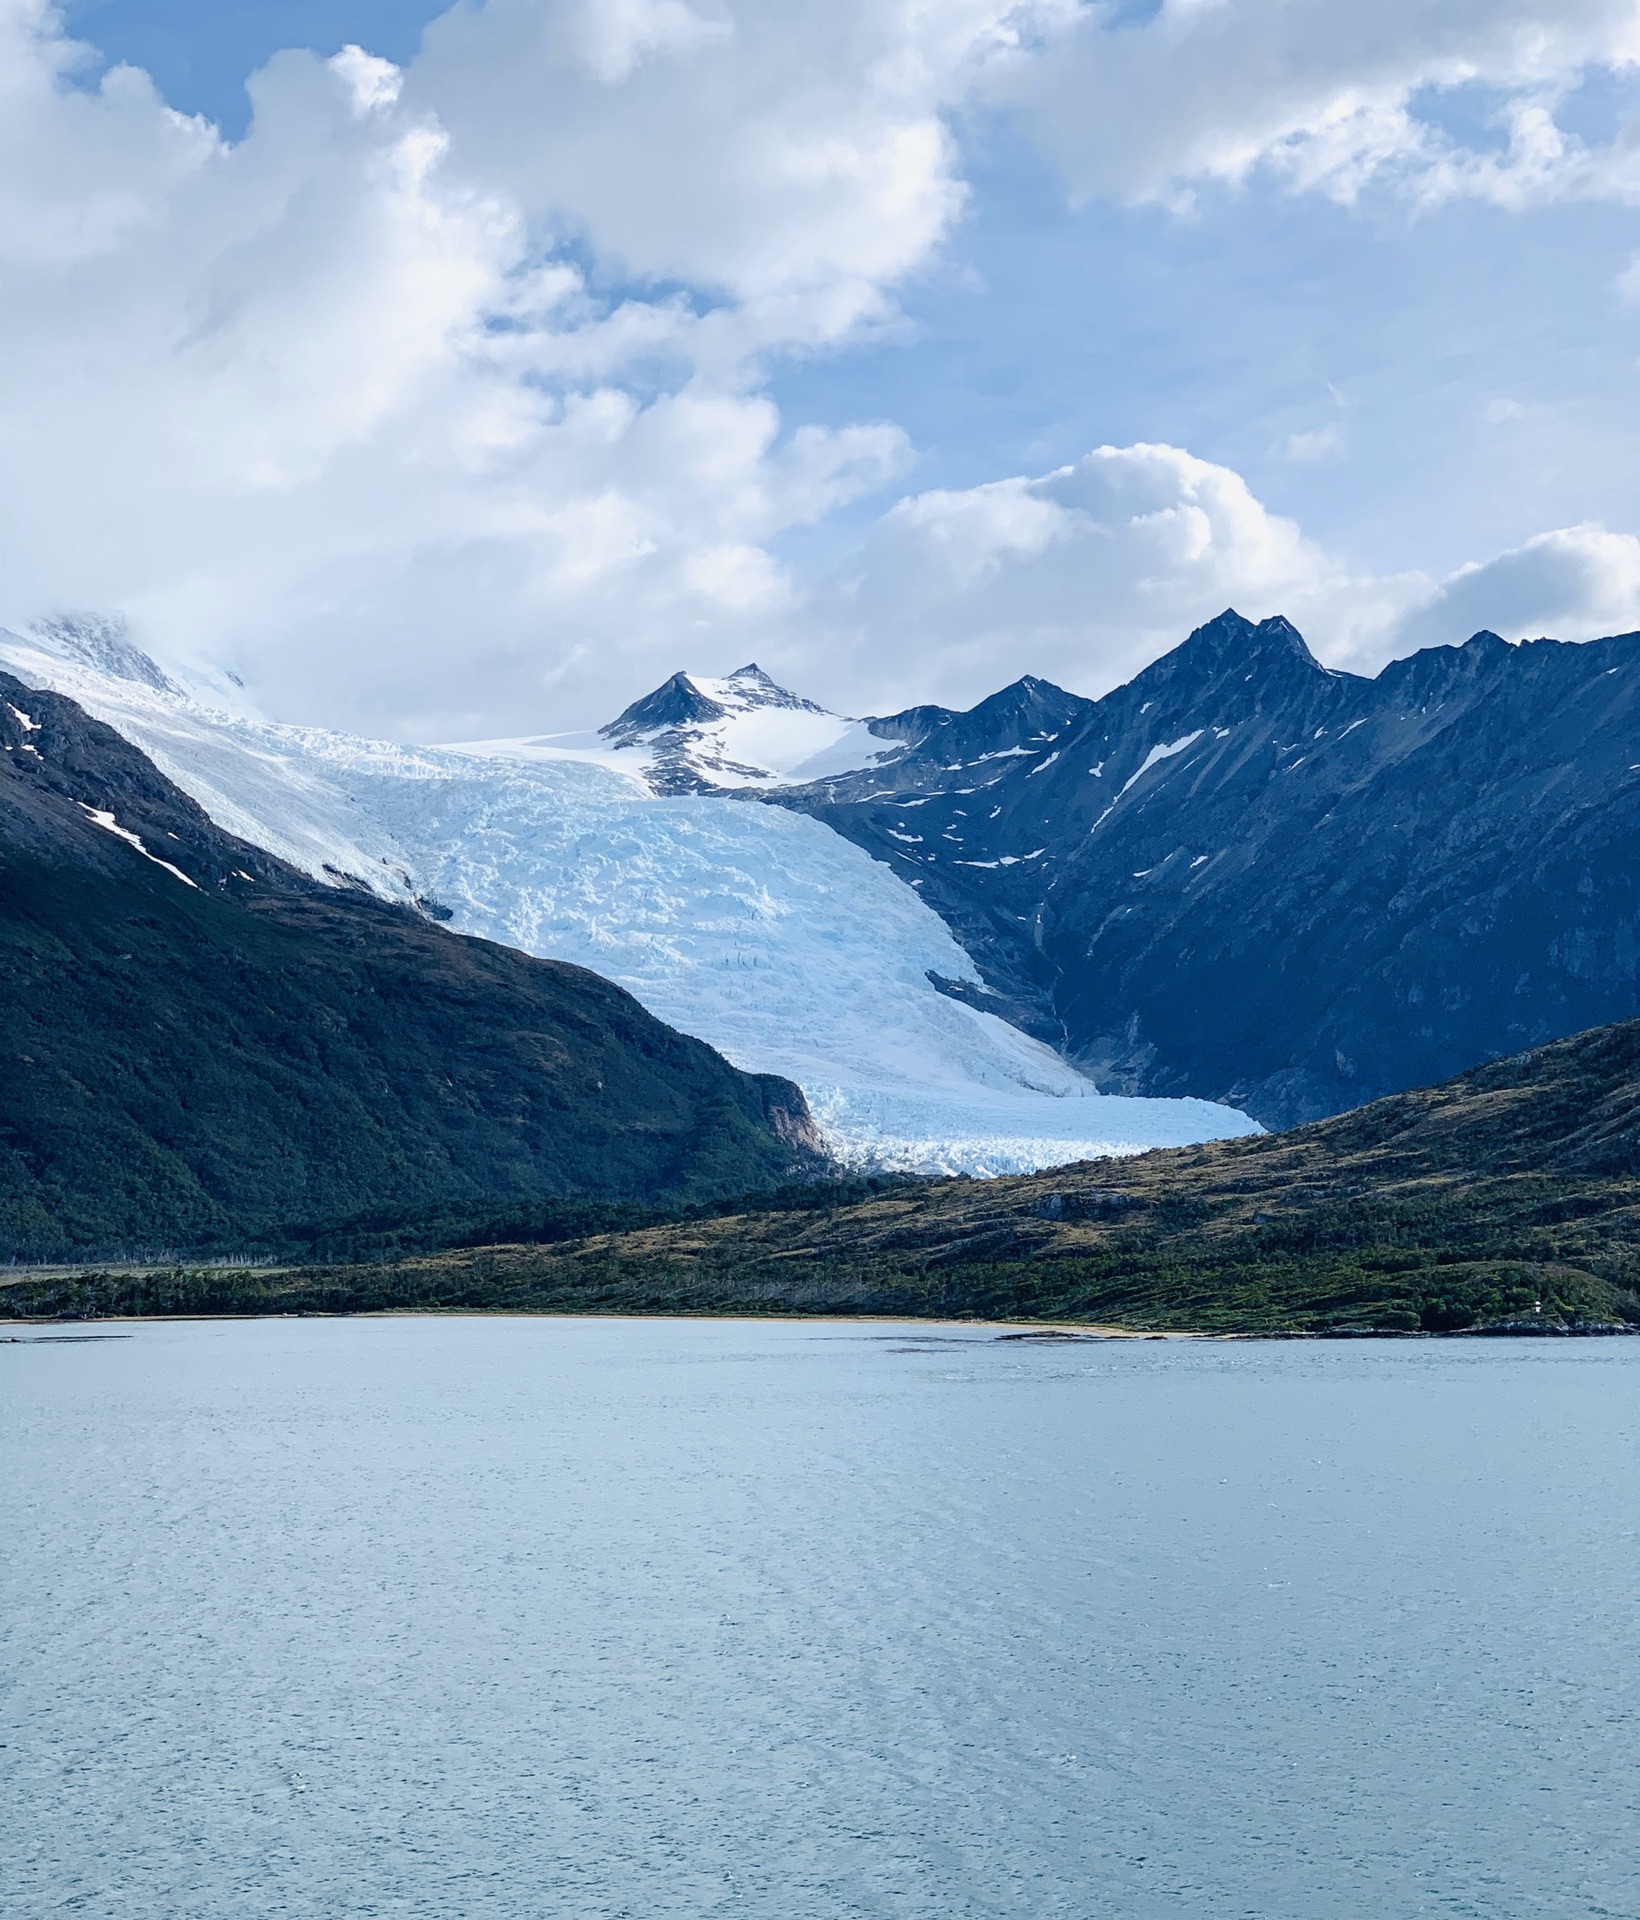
760,149
1577,583
1086,574
1329,96
344,400
1319,443
1082,575
439,401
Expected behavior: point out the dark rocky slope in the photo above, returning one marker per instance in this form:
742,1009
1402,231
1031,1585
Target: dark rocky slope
201,1047
1248,877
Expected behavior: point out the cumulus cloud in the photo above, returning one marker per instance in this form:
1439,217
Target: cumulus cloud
454,377
1086,574
440,403
763,150
1577,583
1083,575
1330,98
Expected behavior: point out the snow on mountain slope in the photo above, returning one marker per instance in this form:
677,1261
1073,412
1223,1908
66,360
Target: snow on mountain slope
757,929
256,781
702,735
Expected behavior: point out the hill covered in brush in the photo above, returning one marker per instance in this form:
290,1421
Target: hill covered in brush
1507,1199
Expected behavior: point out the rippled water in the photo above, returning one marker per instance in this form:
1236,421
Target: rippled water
483,1618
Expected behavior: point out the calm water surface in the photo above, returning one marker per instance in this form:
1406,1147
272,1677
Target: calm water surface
520,1619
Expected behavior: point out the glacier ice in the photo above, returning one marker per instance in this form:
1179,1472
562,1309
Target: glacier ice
758,929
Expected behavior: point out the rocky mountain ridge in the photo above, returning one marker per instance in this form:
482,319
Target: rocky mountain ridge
1252,878
1242,877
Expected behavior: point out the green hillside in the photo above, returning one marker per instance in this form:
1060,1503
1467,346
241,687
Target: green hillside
1506,1199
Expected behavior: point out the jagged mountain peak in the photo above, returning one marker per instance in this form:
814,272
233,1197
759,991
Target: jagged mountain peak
674,703
1432,671
1027,709
700,733
1029,690
1232,641
694,700
750,687
1230,670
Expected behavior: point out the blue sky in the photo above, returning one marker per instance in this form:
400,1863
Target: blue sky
1382,326
201,56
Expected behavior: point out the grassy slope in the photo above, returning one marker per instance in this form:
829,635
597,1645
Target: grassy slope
1510,1196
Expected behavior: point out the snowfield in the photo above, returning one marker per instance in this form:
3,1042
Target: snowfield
758,930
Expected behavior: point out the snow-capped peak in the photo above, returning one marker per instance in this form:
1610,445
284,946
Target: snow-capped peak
697,733
759,930
696,700
96,649
748,688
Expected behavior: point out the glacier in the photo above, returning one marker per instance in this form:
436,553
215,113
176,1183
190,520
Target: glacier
756,929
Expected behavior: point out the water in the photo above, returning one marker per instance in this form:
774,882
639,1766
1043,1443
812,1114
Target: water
473,1619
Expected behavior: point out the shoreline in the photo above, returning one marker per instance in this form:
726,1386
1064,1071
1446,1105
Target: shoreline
1022,1329
1067,1331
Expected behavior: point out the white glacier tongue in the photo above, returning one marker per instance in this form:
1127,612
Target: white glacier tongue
757,929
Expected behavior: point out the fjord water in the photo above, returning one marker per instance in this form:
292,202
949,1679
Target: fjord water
487,1619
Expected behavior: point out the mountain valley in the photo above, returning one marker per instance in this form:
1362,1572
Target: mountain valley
760,931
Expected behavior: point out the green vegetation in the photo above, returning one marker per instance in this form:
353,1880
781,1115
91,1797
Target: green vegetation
197,1073
1508,1199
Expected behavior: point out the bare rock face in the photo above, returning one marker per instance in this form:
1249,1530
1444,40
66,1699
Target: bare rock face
1087,1203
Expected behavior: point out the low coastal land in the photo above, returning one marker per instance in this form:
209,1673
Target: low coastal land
1506,1200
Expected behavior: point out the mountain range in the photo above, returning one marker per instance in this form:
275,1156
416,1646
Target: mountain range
764,933
1242,889
1242,876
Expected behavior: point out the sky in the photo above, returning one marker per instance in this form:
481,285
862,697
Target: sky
449,373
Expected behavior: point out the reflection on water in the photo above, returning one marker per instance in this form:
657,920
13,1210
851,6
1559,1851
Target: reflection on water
473,1619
